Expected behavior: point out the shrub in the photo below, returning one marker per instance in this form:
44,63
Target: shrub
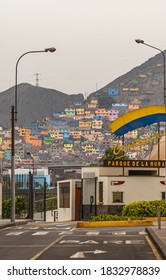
145,208
136,211
20,206
114,218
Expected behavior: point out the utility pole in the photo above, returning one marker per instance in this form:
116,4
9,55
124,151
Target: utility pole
37,79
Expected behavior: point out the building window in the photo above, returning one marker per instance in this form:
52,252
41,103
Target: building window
100,191
163,195
117,197
64,195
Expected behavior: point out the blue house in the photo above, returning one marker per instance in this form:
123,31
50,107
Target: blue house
113,92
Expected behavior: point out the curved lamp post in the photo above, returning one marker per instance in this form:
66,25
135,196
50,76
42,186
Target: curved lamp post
139,41
13,120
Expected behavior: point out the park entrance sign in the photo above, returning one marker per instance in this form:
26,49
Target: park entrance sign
134,163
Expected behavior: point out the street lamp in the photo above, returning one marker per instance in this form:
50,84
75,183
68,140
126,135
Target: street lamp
139,41
13,120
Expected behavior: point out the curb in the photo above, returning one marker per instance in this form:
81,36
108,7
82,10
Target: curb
12,224
157,242
114,224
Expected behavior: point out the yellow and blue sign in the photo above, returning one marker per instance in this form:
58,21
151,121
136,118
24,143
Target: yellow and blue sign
137,119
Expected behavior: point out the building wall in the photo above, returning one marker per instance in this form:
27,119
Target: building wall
117,180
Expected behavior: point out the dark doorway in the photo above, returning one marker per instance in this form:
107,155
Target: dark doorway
77,203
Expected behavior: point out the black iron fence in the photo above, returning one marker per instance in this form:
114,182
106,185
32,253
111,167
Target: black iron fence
38,198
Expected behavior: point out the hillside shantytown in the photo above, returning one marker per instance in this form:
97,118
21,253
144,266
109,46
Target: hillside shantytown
59,145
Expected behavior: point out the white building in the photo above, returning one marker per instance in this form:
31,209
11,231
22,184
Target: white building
105,190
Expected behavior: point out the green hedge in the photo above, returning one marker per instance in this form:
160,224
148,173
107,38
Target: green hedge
145,208
136,211
114,218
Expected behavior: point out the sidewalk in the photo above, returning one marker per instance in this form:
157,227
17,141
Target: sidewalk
158,237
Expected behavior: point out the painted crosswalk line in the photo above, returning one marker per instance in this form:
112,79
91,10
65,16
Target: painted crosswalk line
70,241
118,242
41,233
119,233
135,242
92,233
15,233
65,232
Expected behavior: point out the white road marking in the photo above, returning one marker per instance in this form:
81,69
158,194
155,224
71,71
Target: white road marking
142,232
69,241
65,232
92,233
135,242
63,225
81,254
41,233
15,233
89,242
78,255
119,233
50,228
113,242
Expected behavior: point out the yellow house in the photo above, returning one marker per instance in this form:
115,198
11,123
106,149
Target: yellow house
87,148
134,133
94,101
134,89
80,111
68,147
133,107
85,124
24,132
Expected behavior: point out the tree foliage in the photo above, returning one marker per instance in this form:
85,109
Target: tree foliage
20,206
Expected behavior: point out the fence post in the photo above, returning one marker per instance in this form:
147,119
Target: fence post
159,217
30,196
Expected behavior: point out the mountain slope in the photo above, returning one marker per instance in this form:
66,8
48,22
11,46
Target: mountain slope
148,78
34,103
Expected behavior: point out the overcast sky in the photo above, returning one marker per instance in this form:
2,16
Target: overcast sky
95,40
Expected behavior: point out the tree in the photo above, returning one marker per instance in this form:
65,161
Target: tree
110,154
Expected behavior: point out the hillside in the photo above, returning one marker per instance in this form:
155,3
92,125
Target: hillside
142,85
34,103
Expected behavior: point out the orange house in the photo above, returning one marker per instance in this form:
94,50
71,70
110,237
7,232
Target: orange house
33,140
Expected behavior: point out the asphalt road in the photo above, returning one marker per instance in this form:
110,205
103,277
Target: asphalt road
65,242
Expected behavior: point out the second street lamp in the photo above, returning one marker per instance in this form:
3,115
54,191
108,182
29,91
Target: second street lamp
13,120
140,41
